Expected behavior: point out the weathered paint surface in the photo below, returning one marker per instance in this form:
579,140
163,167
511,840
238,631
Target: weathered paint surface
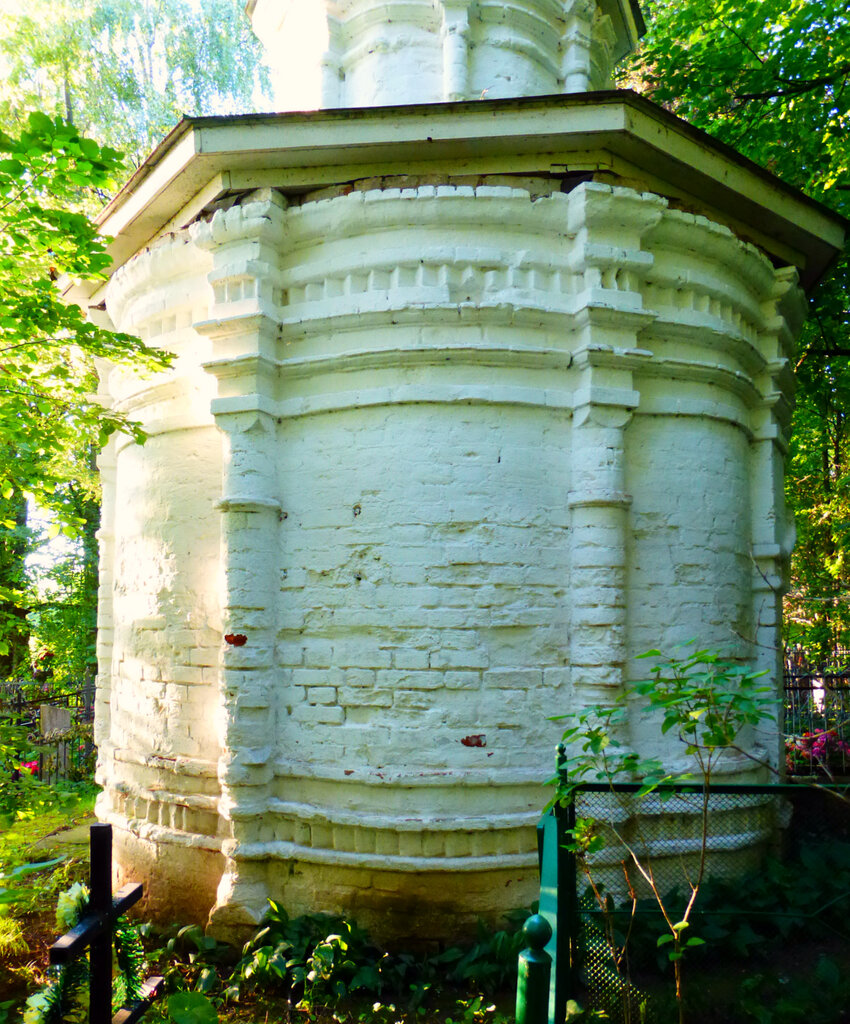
362,53
448,457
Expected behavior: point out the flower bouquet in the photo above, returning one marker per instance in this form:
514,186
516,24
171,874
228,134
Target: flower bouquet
817,753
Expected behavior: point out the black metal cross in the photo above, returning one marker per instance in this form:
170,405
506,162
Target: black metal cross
95,932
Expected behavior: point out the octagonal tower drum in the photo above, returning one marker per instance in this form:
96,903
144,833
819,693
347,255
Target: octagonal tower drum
473,401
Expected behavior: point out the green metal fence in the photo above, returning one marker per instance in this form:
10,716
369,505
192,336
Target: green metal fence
606,921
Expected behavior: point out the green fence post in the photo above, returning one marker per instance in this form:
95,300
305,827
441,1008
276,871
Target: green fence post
535,965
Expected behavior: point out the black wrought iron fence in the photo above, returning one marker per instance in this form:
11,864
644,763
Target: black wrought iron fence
60,747
817,714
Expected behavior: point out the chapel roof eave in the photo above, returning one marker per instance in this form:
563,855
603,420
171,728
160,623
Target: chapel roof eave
613,135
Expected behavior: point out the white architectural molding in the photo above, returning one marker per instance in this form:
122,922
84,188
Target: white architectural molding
356,53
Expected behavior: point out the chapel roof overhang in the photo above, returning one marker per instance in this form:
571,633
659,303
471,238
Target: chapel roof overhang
615,136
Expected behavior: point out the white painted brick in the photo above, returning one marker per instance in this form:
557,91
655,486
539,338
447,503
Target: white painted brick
203,656
410,680
185,674
321,694
360,677
557,677
509,678
481,572
356,697
448,658
326,714
406,657
310,676
462,680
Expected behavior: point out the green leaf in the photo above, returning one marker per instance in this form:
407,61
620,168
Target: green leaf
191,1008
11,896
28,869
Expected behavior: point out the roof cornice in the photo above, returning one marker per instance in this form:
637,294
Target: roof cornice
617,133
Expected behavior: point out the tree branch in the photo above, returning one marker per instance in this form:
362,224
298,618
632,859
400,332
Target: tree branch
795,88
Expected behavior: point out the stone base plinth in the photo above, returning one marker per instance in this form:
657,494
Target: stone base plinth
400,909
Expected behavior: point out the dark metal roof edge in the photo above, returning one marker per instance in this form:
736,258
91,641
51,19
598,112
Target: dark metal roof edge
156,155
637,13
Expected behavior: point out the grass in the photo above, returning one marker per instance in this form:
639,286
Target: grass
34,834
27,928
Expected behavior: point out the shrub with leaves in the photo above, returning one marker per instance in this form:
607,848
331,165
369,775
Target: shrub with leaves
321,959
705,702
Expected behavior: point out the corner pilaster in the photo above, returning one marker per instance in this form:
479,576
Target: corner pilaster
599,507
245,243
587,47
455,35
772,527
106,463
608,225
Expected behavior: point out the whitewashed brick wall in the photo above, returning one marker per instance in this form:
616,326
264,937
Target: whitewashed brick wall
449,458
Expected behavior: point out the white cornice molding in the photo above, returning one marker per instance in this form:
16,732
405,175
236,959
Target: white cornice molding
302,151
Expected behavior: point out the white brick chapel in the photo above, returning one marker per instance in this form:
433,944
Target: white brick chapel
481,389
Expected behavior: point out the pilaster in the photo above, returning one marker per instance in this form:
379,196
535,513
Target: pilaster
245,243
599,525
105,602
772,526
608,225
577,44
455,33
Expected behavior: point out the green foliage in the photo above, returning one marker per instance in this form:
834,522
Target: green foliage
63,621
329,958
47,347
773,914
191,1008
703,699
48,405
192,961
706,702
476,1011
770,78
16,539
19,791
127,70
11,892
817,614
576,1013
817,998
320,960
64,998
740,71
324,957
809,893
